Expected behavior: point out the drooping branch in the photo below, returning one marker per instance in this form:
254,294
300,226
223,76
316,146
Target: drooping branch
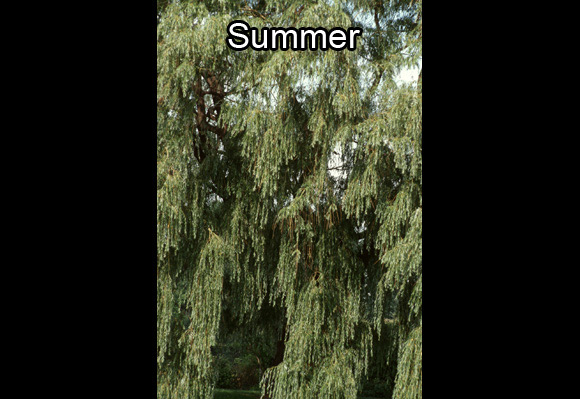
201,123
217,93
205,114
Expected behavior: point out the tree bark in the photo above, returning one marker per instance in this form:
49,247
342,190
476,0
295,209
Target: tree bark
279,356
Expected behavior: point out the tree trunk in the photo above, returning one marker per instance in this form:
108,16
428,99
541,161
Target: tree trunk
279,357
280,347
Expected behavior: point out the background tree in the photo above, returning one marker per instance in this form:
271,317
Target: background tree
290,197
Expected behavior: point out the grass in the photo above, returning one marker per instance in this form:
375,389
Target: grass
233,394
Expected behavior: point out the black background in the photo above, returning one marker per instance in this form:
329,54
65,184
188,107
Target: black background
101,307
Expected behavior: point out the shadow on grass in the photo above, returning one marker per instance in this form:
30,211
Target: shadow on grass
233,394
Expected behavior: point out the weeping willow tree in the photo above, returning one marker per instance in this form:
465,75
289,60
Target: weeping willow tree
290,197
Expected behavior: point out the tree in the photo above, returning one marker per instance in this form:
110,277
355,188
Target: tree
290,197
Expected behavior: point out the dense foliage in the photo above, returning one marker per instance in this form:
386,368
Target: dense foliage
290,198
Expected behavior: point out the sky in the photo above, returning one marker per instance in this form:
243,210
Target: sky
408,75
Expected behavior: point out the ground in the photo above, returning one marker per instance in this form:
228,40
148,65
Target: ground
231,394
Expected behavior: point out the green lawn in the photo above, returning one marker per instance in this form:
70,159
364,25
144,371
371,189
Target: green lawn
232,394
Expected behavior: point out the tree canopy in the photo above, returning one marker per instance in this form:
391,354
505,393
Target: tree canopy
289,197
